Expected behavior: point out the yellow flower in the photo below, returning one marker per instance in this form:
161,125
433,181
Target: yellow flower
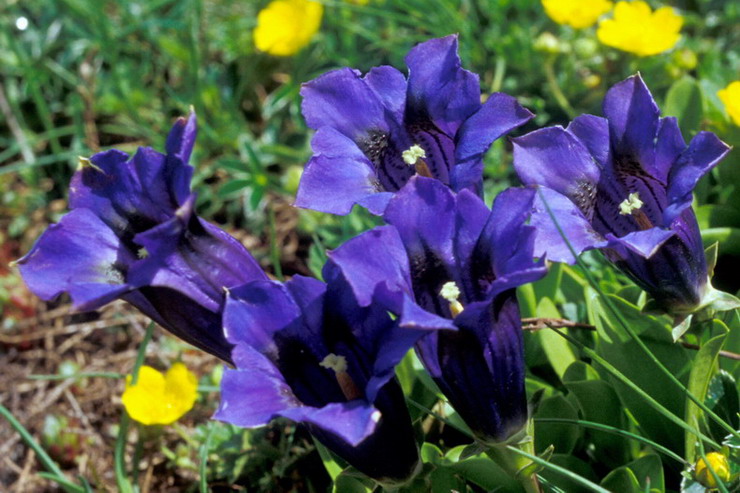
636,29
730,97
576,13
720,466
284,27
158,399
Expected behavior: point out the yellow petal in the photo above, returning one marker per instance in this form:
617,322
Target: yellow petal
637,29
730,97
141,400
578,14
286,26
158,399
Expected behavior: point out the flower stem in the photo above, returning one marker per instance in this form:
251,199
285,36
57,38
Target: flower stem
513,464
552,82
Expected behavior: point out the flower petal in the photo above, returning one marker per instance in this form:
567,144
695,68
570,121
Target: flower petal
703,153
549,241
438,88
557,160
369,259
334,185
341,99
499,115
80,255
633,119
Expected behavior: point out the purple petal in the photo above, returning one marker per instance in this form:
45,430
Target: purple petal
179,147
556,159
389,86
633,119
332,143
130,196
471,217
668,146
499,115
644,243
703,153
80,255
375,257
423,213
256,311
512,241
256,393
438,88
334,185
195,258
415,317
250,397
341,99
593,132
352,421
549,242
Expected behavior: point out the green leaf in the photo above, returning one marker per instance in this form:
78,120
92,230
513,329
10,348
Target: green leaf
599,403
234,186
346,483
723,400
622,480
562,436
559,351
703,368
617,347
685,101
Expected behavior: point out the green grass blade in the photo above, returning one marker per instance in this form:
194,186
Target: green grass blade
55,473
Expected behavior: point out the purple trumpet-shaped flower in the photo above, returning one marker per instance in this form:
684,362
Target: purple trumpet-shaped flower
311,352
624,184
132,234
449,262
375,132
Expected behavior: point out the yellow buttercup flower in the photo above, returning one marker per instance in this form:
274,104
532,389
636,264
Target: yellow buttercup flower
158,399
719,464
730,97
636,29
576,13
284,27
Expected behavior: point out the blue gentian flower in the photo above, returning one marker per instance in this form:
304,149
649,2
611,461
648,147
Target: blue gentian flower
132,234
310,352
375,132
624,184
449,262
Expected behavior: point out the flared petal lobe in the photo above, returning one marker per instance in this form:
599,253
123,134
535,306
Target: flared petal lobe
310,352
624,184
132,234
450,264
436,112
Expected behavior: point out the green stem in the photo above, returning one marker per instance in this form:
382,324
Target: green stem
552,82
514,464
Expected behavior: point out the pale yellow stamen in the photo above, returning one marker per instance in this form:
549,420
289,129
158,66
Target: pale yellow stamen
630,204
338,363
451,293
334,362
413,154
142,253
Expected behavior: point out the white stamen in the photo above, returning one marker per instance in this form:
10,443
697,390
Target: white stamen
413,154
630,204
142,253
451,293
334,362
